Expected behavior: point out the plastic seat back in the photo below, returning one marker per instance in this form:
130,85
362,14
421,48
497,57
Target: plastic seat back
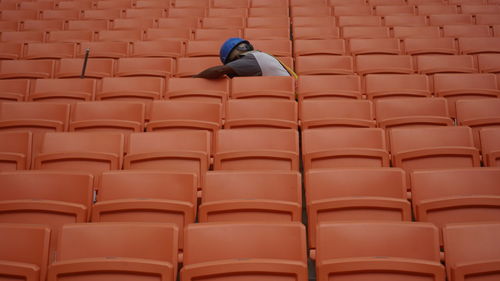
154,253
262,87
14,89
324,65
187,67
397,85
33,116
319,47
490,146
15,150
423,46
432,64
156,67
336,113
214,90
373,64
63,90
478,114
32,69
328,87
261,114
96,68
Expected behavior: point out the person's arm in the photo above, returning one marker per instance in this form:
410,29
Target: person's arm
215,72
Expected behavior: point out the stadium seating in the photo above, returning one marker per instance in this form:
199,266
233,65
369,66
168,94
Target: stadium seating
14,89
336,113
261,114
328,87
489,146
15,150
478,114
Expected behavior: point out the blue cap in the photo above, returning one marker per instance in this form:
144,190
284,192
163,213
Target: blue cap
228,47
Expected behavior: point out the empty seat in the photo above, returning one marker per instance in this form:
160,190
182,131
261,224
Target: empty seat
323,64
151,4
383,3
270,33
261,114
160,48
187,67
183,12
388,250
450,19
464,86
490,139
214,90
487,19
336,113
480,9
222,22
388,46
328,87
388,10
36,5
352,10
118,35
429,9
397,85
263,87
203,48
431,64
24,251
433,148
14,89
106,4
423,46
168,34
6,25
275,47
319,47
173,115
257,149
466,31
71,36
131,88
451,196
149,13
85,152
244,250
478,45
171,198
11,50
309,11
49,50
22,36
173,151
16,15
60,14
86,25
350,32
151,251
268,22
95,68
404,32
397,64
360,21
227,12
489,63
101,14
132,24
405,20
15,151
344,148
313,21
234,196
471,249
216,34
264,3
49,198
315,33
158,67
62,90
360,194
418,112
478,114
33,116
111,50
26,69
269,12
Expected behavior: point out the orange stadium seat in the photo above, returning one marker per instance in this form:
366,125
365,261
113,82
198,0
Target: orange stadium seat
152,4
280,114
344,148
244,250
404,32
489,63
33,116
319,47
96,68
172,151
383,3
477,45
431,64
22,36
49,50
424,46
267,33
349,32
48,198
336,113
346,2
182,22
71,36
154,253
16,15
490,139
7,25
118,35
275,47
216,34
269,12
203,48
478,114
388,46
15,150
107,4
352,10
223,22
24,251
309,11
262,87
184,12
11,50
132,24
14,89
171,198
87,25
312,21
443,197
83,152
373,64
361,246
233,196
62,90
397,85
173,115
230,3
315,33
74,5
405,20
480,9
389,10
465,86
156,67
227,12
360,21
268,22
471,249
450,19
214,90
433,148
153,34
35,5
265,3
112,50
60,14
487,19
160,48
187,67
324,65
364,194
466,31
43,25
257,149
328,87
432,9
101,14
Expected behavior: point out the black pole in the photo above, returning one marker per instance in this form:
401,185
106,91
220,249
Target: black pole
87,51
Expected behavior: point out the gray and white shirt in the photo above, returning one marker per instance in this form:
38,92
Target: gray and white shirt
256,63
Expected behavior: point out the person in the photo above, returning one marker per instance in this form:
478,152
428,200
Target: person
240,59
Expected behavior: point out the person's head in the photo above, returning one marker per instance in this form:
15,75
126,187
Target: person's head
233,48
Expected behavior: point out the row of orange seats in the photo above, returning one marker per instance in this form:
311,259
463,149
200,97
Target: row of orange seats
383,249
